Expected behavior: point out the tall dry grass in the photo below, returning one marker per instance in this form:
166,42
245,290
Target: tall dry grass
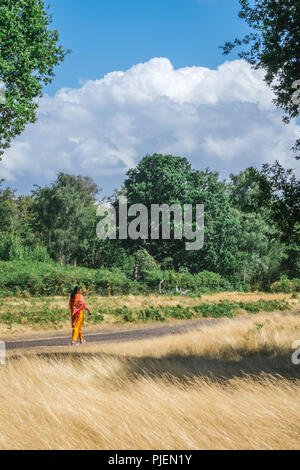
230,386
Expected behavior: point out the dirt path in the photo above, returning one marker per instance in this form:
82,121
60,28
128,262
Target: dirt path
110,336
129,334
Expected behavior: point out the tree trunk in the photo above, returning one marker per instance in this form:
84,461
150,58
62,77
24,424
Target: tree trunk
66,258
245,274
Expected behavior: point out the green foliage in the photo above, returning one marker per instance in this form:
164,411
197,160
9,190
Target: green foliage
49,316
285,200
259,255
55,316
13,248
36,279
32,278
274,42
65,214
296,284
251,228
114,282
8,209
23,275
167,179
29,52
249,190
145,261
285,285
209,310
202,282
124,314
151,314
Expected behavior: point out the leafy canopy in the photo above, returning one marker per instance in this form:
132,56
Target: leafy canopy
29,51
274,46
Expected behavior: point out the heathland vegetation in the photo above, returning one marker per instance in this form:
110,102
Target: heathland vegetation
228,386
48,239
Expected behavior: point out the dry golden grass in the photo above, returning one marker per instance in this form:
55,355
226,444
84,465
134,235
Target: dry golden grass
227,386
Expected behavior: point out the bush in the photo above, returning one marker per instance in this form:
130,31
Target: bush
145,261
296,284
284,285
25,278
217,310
195,283
124,314
13,248
151,313
114,282
33,278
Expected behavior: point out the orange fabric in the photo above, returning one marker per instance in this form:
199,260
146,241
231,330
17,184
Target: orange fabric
76,306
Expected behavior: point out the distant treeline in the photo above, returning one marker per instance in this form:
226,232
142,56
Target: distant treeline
251,229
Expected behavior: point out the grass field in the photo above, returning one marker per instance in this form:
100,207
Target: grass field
228,386
22,316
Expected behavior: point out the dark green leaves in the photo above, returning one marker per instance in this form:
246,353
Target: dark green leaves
29,52
274,46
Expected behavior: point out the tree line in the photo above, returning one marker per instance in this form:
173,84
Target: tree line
251,221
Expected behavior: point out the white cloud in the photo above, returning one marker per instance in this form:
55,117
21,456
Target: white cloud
223,118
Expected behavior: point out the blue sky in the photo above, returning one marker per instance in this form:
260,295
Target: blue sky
109,35
148,76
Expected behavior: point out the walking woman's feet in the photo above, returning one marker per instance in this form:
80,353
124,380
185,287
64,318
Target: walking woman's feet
74,343
82,341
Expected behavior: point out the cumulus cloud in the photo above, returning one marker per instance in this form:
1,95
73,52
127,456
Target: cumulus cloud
223,119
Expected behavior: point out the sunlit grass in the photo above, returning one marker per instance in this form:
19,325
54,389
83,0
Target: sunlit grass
228,386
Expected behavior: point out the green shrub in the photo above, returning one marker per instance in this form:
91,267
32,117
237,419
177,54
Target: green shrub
114,282
14,248
296,284
151,313
195,283
178,312
31,278
11,248
216,310
284,285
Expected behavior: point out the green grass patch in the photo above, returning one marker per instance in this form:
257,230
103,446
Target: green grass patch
44,313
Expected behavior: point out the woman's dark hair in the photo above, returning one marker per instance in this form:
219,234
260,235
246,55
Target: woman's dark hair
75,291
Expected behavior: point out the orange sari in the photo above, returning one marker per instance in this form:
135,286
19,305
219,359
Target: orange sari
76,306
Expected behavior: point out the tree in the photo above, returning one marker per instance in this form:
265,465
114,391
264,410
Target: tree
29,51
259,252
285,200
8,209
273,192
167,179
274,47
249,191
63,214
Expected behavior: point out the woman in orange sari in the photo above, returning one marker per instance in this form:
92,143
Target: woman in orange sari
77,307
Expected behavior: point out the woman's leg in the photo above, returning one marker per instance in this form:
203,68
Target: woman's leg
80,333
81,320
77,328
75,331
